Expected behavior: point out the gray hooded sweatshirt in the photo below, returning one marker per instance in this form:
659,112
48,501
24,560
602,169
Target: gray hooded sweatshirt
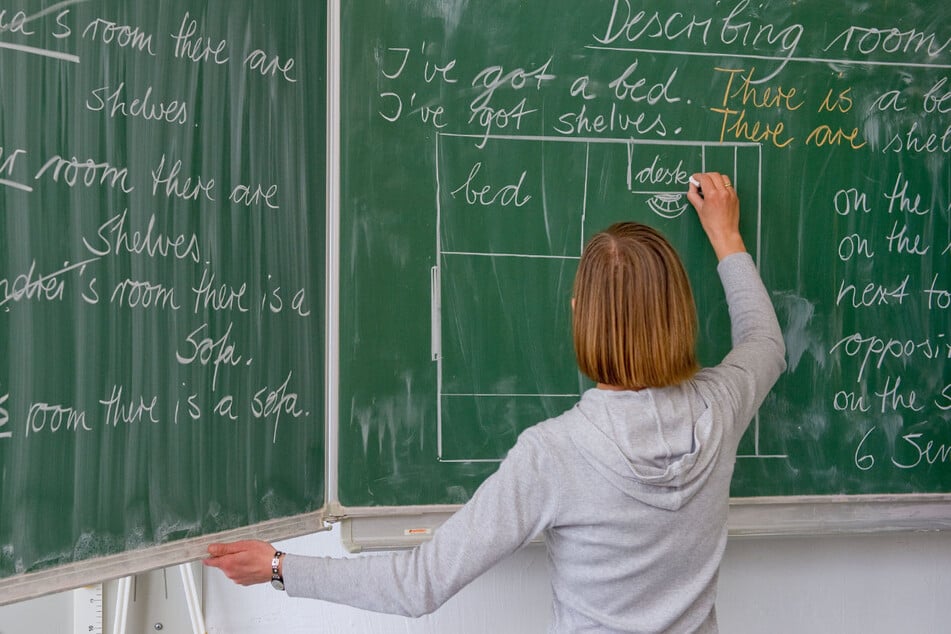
630,490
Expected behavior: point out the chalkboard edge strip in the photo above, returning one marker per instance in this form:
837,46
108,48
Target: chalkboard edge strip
340,512
132,562
839,514
332,256
365,529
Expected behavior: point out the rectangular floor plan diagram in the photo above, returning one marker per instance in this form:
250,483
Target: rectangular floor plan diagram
507,252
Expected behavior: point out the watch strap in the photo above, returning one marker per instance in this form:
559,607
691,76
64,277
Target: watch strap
277,579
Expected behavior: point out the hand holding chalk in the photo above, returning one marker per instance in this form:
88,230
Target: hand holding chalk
718,208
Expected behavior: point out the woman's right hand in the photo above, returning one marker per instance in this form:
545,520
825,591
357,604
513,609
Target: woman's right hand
244,562
719,211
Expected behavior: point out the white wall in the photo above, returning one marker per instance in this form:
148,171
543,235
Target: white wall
838,585
842,585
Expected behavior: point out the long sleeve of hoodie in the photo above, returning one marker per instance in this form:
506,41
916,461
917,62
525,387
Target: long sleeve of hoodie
757,358
510,508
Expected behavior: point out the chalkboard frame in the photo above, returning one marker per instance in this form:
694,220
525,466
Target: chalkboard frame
815,512
365,528
95,570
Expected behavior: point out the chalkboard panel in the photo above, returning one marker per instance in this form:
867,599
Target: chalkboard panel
162,224
483,142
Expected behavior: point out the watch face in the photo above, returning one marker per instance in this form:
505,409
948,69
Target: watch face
277,583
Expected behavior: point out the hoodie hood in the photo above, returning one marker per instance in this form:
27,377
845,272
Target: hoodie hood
658,446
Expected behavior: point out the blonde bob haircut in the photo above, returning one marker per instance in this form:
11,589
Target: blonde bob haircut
634,321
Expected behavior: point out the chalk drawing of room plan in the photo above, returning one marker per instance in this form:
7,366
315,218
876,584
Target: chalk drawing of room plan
513,214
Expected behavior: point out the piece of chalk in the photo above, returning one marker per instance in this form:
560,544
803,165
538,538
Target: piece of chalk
694,182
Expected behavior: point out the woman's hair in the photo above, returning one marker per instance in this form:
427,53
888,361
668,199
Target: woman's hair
634,320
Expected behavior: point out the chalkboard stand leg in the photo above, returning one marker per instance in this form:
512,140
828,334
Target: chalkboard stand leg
122,605
191,597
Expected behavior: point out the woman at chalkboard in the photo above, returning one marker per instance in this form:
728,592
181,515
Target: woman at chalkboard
630,487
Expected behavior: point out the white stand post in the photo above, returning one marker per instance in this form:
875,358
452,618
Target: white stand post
191,596
122,605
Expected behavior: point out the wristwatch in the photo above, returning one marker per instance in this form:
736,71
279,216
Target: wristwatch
277,579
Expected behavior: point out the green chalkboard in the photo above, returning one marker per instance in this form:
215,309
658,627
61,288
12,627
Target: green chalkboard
162,221
483,142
